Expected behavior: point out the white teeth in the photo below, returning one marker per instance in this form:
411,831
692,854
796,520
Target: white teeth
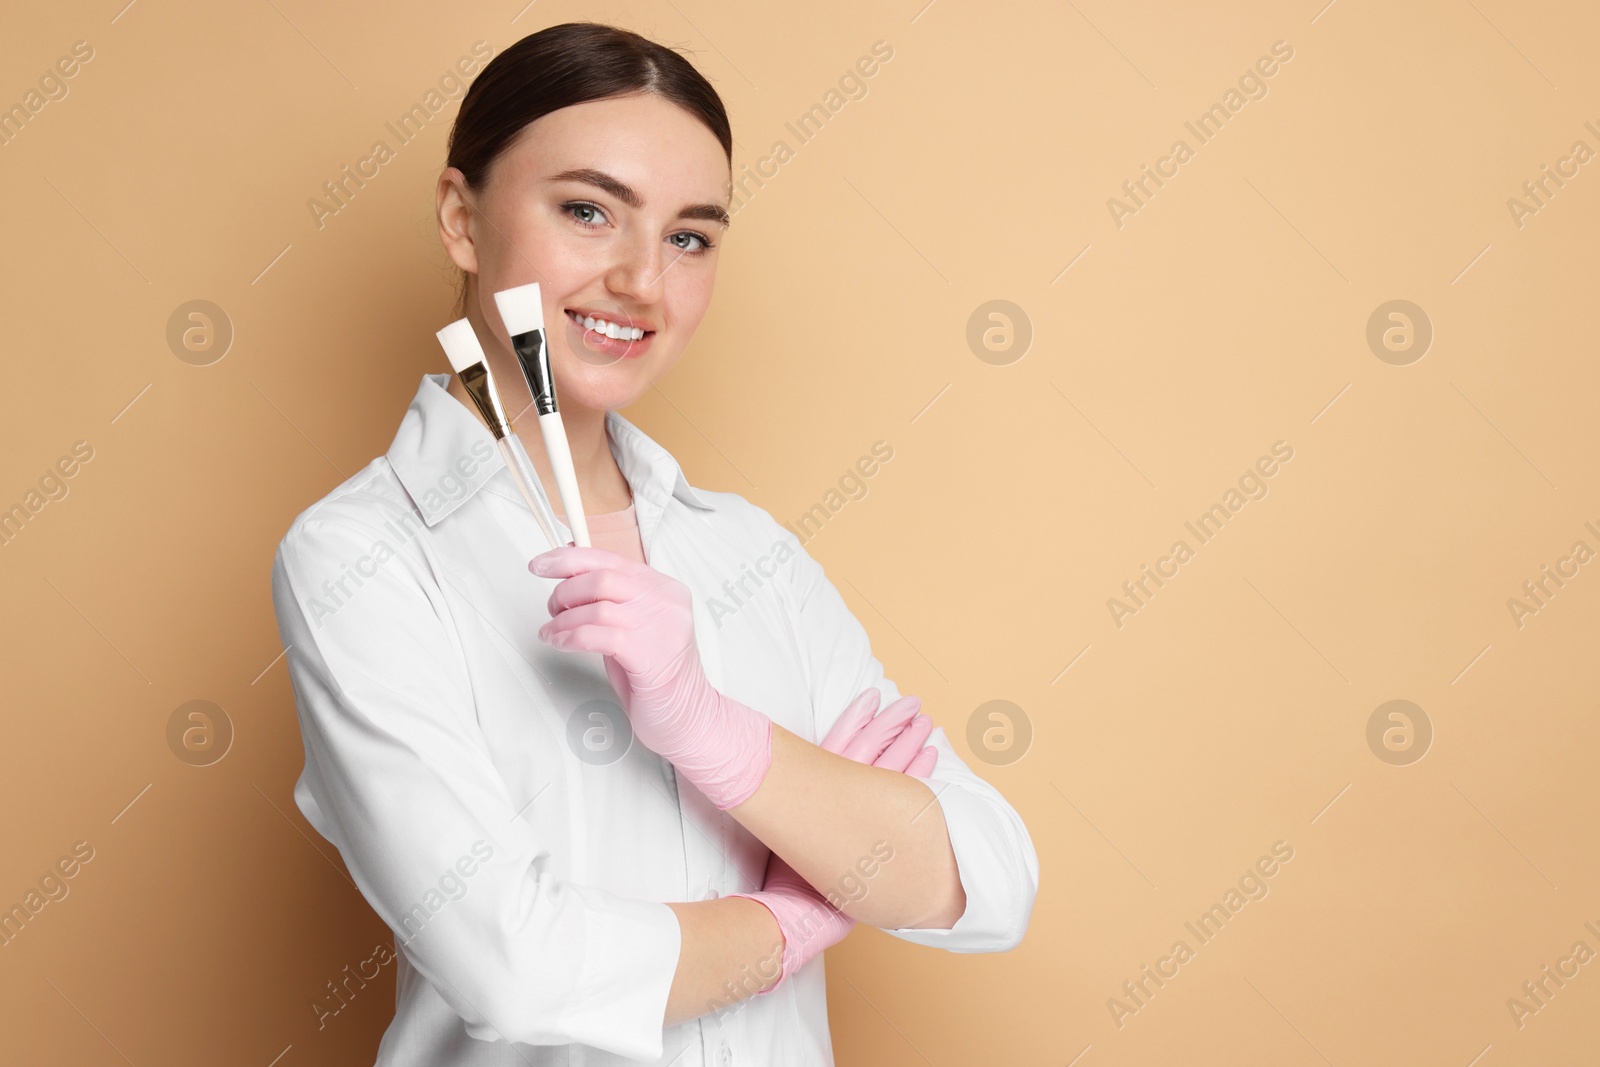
613,330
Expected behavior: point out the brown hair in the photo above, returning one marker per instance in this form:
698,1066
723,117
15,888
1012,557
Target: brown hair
559,66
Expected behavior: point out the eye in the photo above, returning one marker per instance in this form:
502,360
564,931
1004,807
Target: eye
689,250
577,209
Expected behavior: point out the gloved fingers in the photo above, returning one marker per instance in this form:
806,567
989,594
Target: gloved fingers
602,583
899,753
586,637
856,714
923,765
568,560
598,613
875,736
601,627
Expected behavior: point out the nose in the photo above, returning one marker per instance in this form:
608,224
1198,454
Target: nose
639,271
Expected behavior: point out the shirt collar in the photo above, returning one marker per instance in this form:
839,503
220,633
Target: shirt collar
443,455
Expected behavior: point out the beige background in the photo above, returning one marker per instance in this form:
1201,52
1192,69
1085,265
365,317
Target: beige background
1228,313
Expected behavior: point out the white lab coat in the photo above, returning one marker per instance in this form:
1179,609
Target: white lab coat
484,791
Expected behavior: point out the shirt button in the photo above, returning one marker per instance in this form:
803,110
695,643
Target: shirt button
711,894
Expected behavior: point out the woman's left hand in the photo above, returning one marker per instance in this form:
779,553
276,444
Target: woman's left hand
892,739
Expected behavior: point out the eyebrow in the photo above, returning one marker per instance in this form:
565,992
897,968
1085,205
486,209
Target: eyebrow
630,196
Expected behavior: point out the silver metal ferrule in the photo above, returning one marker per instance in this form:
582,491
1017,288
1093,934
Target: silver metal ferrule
533,356
479,384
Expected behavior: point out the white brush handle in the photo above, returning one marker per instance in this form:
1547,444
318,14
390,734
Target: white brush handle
560,456
527,480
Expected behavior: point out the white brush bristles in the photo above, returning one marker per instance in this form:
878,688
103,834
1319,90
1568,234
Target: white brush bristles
460,343
521,308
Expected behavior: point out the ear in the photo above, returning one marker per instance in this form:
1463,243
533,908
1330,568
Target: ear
456,205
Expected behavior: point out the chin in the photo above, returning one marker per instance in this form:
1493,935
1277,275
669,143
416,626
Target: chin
616,385
603,389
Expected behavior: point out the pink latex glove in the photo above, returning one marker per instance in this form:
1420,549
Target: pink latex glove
642,622
893,739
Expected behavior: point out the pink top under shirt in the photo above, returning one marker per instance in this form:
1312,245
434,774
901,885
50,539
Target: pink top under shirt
615,531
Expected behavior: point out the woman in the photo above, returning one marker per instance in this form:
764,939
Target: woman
566,781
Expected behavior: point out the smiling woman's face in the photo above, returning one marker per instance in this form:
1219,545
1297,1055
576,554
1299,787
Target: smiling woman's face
616,208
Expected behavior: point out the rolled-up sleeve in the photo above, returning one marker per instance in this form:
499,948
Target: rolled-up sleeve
995,857
399,778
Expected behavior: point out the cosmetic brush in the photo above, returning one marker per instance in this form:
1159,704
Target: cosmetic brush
460,343
522,310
